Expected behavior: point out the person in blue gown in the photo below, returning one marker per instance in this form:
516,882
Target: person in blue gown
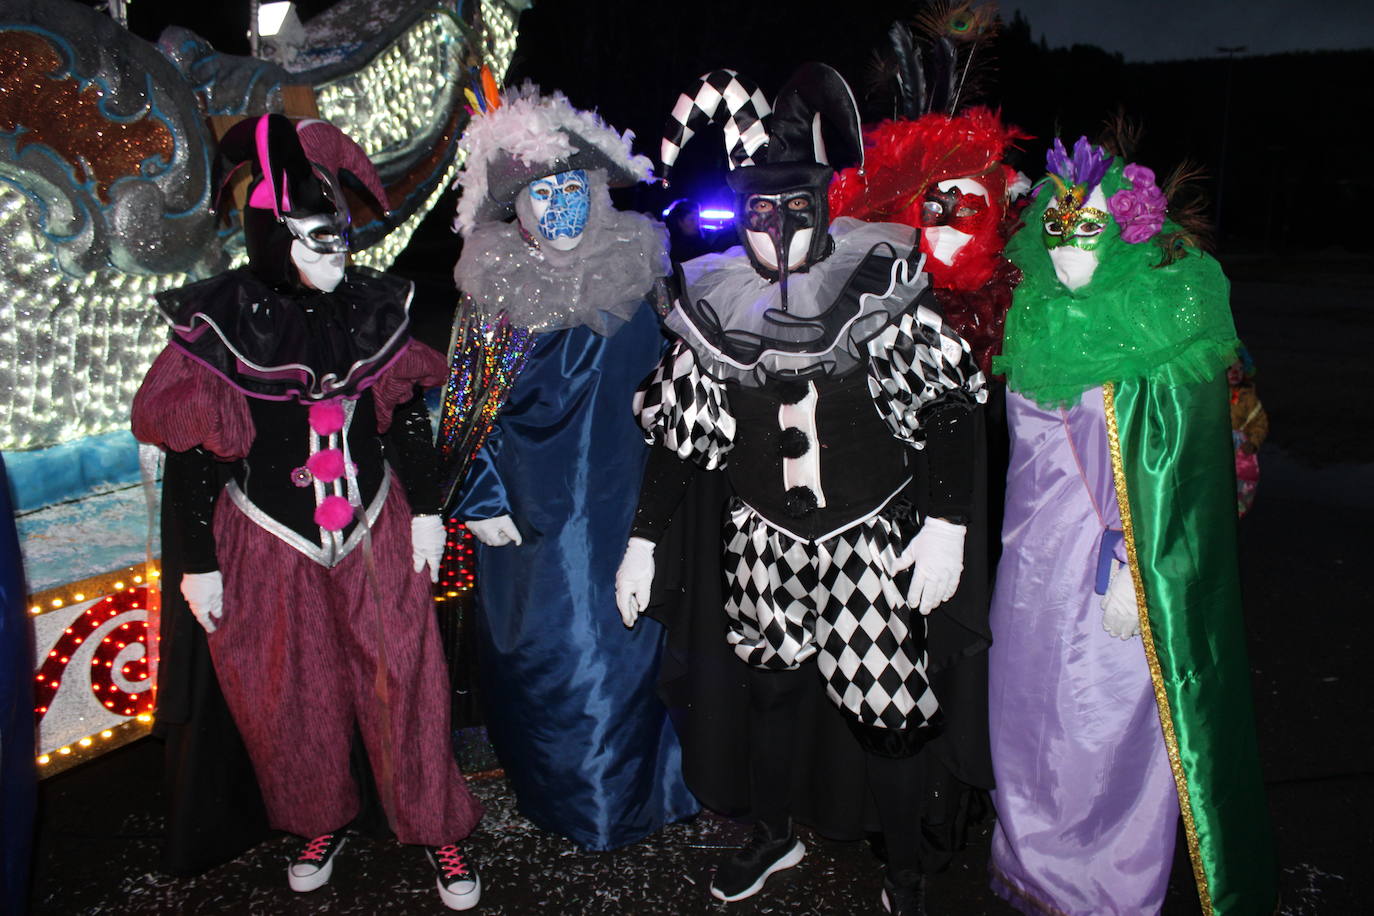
569,695
18,791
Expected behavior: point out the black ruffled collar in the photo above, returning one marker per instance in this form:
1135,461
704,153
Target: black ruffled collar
288,346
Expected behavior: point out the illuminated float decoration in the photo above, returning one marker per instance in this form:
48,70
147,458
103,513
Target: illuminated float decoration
106,145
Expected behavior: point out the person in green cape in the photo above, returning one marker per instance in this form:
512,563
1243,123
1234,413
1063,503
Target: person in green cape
1120,695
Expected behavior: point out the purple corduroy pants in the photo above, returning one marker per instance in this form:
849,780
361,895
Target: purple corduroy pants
304,652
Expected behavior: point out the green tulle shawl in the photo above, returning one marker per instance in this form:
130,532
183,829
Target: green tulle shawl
1170,324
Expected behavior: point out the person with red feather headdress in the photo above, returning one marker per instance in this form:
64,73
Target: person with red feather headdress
297,378
940,169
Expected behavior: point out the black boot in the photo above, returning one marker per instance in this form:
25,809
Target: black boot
904,893
743,874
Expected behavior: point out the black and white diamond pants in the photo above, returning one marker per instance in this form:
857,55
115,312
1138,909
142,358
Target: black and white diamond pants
836,599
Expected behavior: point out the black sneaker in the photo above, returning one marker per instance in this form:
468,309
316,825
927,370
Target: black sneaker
743,874
459,886
904,894
314,863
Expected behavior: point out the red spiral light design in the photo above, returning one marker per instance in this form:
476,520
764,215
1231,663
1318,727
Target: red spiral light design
117,640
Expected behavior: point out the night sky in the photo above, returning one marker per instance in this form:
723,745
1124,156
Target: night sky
1140,31
1151,31
629,59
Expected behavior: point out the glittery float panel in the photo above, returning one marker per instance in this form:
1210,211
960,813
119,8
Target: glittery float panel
485,357
72,350
97,149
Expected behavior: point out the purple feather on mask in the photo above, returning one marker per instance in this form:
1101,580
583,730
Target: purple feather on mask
1087,167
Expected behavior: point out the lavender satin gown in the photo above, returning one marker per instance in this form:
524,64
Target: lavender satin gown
1086,805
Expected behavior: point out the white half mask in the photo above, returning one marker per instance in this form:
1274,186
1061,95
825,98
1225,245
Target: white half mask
320,271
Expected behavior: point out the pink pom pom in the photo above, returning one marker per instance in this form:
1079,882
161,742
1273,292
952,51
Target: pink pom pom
326,417
327,465
333,513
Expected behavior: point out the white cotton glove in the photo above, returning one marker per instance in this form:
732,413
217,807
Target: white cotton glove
633,578
495,532
204,592
427,538
936,554
1120,615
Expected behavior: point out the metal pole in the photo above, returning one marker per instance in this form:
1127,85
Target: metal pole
253,28
1230,53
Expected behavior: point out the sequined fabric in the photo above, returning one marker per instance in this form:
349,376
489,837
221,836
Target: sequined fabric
485,358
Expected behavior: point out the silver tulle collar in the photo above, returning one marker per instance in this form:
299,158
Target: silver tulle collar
733,319
597,285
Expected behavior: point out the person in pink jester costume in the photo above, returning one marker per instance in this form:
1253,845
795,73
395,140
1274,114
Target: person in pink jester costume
311,568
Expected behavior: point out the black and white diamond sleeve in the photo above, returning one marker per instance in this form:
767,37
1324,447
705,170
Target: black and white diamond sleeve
681,408
920,365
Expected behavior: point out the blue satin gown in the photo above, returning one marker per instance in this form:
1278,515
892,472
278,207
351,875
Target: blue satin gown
568,693
18,792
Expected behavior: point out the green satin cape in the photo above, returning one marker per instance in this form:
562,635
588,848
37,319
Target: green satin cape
1172,457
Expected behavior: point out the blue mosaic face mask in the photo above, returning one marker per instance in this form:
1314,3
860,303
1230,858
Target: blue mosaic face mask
562,203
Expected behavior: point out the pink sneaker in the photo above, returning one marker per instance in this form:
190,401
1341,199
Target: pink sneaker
459,886
314,863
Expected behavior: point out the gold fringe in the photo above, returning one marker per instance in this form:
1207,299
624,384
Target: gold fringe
1166,718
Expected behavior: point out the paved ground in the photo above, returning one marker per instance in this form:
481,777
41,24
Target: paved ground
1309,601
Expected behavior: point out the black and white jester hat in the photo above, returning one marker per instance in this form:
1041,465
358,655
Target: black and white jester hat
795,145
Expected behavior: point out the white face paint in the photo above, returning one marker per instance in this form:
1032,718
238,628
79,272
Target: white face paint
761,243
945,242
323,272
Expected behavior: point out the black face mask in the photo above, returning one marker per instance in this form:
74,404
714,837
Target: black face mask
784,233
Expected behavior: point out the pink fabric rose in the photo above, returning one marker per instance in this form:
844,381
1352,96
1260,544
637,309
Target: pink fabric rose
1138,210
333,513
326,417
327,465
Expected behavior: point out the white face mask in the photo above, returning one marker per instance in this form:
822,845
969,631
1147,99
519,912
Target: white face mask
323,272
562,205
1073,266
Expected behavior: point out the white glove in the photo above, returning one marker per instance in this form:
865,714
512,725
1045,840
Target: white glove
633,578
427,539
495,532
1120,615
937,553
204,592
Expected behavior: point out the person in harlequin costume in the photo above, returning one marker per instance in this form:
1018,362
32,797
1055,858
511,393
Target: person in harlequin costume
311,568
567,693
1120,692
811,363
944,175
